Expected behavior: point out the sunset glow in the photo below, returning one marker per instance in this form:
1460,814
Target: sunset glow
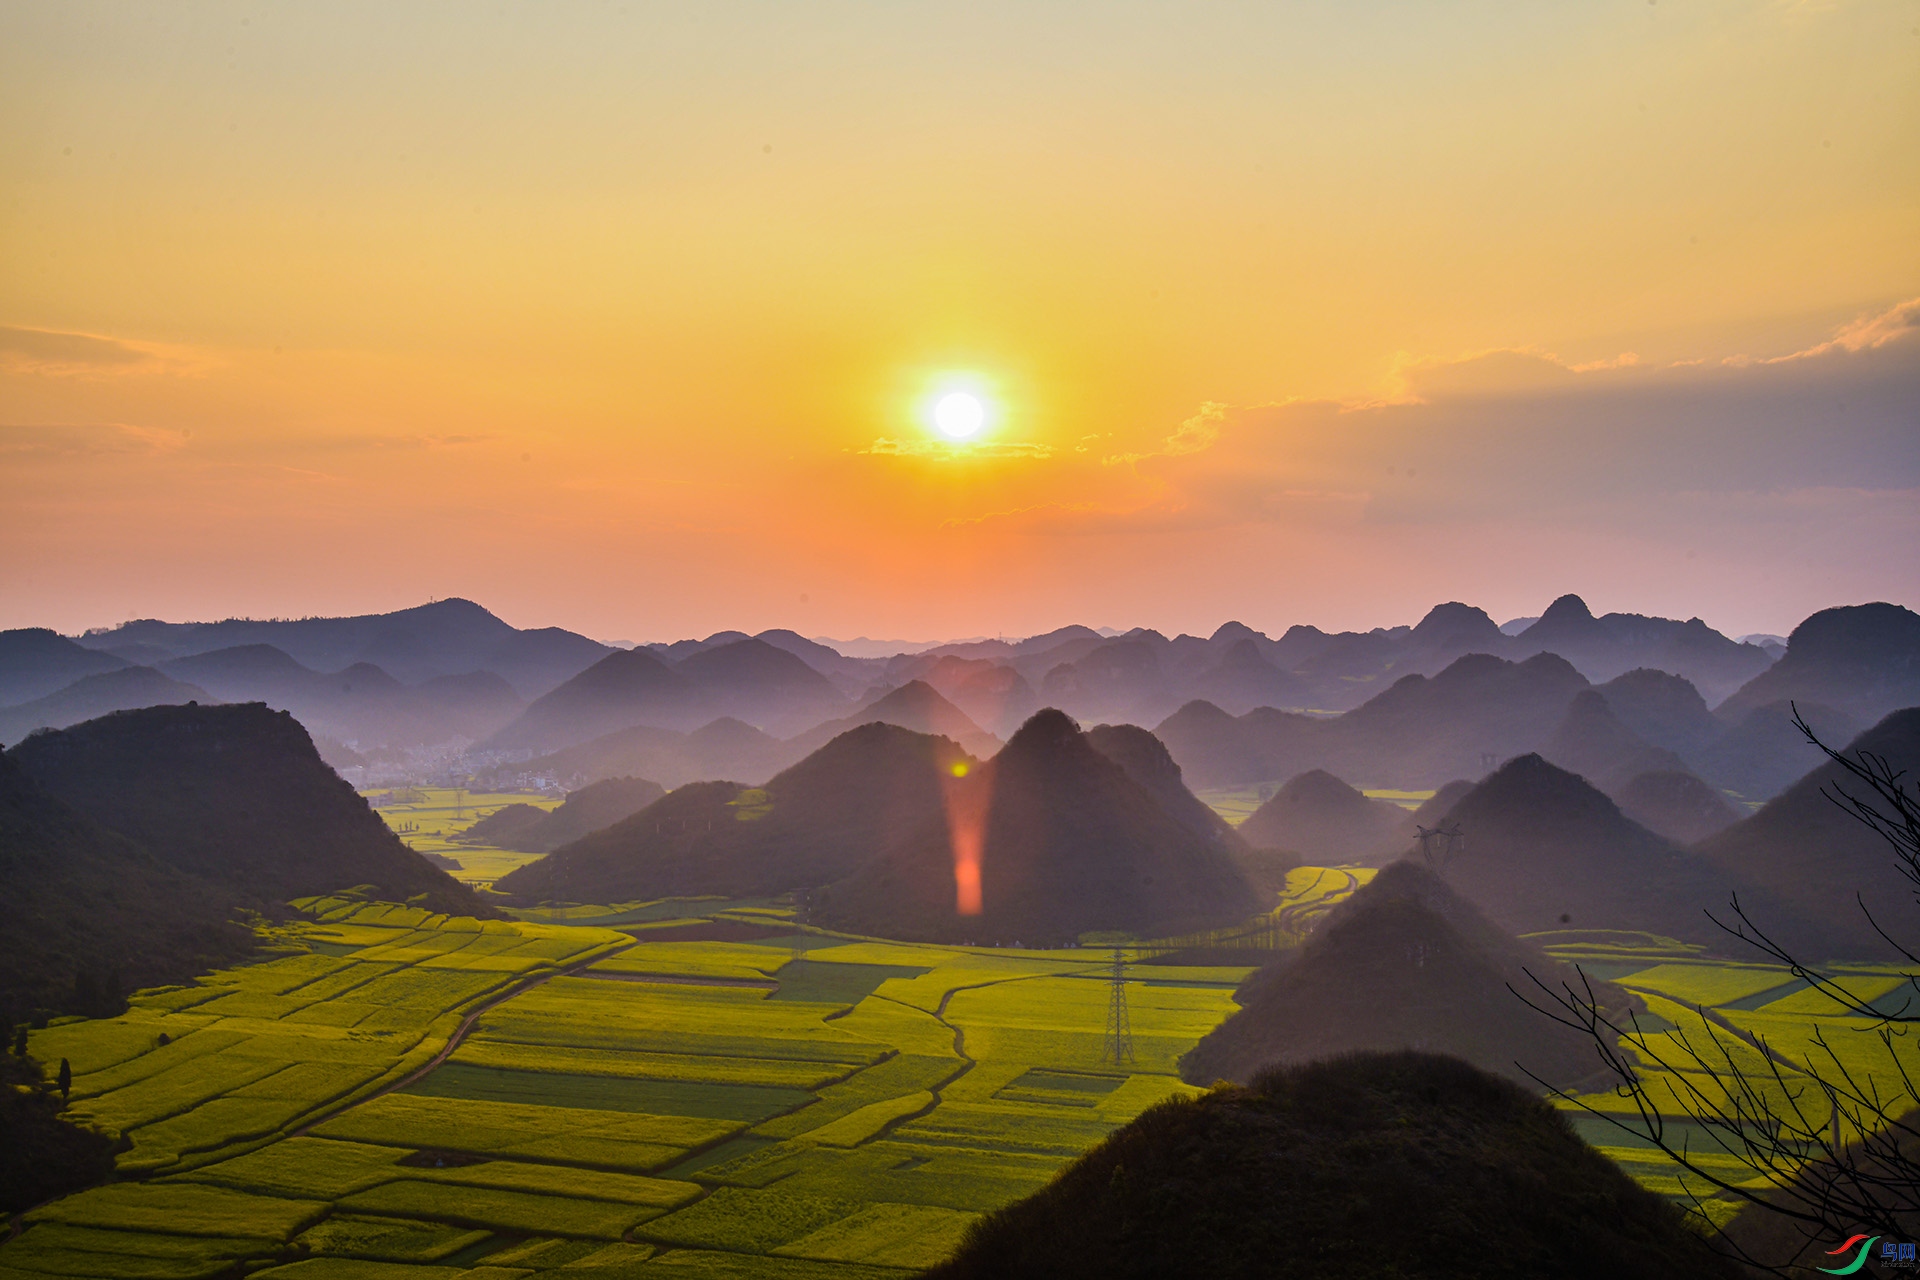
638,321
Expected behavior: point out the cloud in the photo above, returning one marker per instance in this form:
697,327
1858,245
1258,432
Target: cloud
59,354
1191,436
1520,439
1867,333
70,440
890,448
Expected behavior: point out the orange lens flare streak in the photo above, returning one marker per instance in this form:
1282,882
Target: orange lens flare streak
967,800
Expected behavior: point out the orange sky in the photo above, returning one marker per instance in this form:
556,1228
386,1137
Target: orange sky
620,316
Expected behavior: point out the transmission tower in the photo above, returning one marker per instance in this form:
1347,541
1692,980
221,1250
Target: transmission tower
1450,839
1119,1043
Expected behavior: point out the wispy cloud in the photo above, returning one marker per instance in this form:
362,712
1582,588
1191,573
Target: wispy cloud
887,447
50,440
61,354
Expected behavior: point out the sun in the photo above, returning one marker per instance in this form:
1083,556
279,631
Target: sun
959,415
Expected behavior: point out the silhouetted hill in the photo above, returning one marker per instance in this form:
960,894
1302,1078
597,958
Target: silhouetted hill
88,915
1214,749
915,705
1804,849
42,1155
849,675
1147,762
1664,710
447,637
1761,753
1425,730
627,687
1403,1165
1244,680
726,748
1404,963
996,697
1324,820
1069,844
754,681
361,705
1603,648
534,830
1591,742
812,824
236,795
35,662
1435,807
1121,681
1675,804
1863,660
1546,850
93,696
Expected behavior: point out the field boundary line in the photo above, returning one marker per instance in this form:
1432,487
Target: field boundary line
454,1040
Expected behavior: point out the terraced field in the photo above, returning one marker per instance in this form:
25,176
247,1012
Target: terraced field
421,1098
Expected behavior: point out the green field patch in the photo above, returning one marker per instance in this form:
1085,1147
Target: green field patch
1700,984
96,1044
748,1103
160,1059
540,1132
892,1235
774,1072
894,1172
1886,993
1059,1088
174,1091
361,1269
312,1168
869,1121
1761,999
388,1239
208,1127
499,1210
182,1209
896,1077
561,1180
746,1221
700,1264
668,1018
54,1248
1005,1128
833,982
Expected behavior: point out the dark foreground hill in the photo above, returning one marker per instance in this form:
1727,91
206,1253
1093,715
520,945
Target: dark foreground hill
87,915
1067,843
1403,1165
1546,850
1147,762
235,795
531,829
812,824
42,1156
1403,963
1804,849
1324,820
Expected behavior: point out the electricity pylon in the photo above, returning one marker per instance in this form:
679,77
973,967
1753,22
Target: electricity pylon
1119,1043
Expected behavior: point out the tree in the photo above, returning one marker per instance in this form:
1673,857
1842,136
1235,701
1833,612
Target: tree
65,1080
1840,1151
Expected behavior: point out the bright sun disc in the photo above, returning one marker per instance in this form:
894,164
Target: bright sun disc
959,415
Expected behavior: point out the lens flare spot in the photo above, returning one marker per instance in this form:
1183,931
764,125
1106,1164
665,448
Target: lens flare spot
959,769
